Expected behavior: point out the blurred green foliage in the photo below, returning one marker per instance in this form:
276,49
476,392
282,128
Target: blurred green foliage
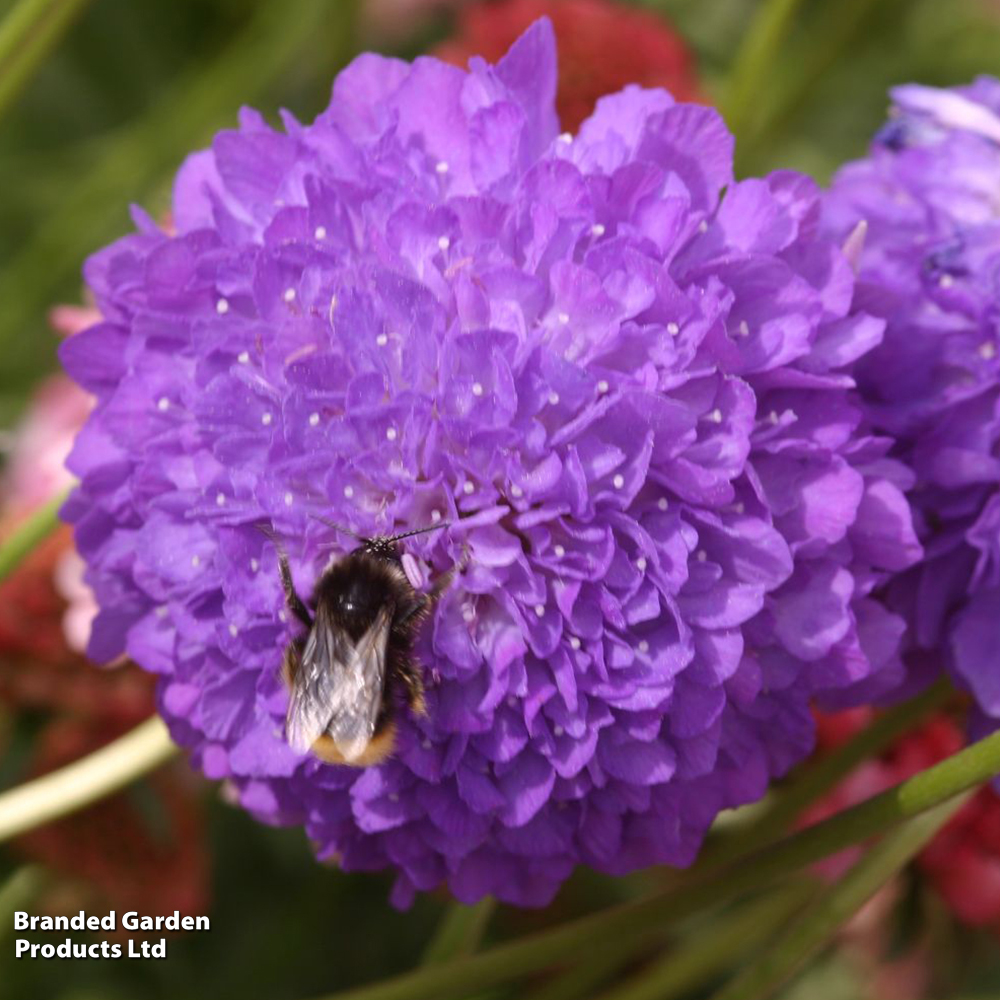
107,119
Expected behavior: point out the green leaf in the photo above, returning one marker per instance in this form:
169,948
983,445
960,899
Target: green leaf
27,34
755,61
837,905
29,536
717,946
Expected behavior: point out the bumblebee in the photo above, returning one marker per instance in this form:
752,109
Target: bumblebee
354,665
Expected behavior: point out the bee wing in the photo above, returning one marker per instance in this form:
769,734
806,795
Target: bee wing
352,723
338,685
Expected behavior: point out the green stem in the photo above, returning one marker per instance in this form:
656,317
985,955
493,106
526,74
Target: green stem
634,922
85,781
583,977
755,60
460,931
817,779
31,533
27,34
728,939
837,905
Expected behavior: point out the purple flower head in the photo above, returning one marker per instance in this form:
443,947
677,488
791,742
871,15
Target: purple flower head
930,194
626,393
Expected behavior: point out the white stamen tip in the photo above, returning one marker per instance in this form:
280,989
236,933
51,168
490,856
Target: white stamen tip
553,398
563,318
540,610
233,630
946,281
468,488
643,646
477,388
469,613
266,419
381,340
320,232
254,565
289,295
640,564
574,642
435,516
163,405
739,507
162,611
602,386
987,350
220,499
701,555
444,242
597,229
288,499
703,226
282,615
663,503
744,328
516,492
393,797
558,730
391,433
426,744
773,416
222,307
511,701
348,492
716,416
673,329
313,419
618,481
196,561
441,167
566,138
559,551
243,357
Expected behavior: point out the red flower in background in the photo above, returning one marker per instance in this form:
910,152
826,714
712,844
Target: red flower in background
602,47
963,861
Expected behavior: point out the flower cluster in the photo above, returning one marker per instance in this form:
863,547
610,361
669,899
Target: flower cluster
625,393
646,50
931,268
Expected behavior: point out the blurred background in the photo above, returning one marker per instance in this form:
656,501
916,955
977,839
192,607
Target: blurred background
97,110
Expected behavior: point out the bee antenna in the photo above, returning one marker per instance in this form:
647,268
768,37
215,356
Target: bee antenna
338,527
419,531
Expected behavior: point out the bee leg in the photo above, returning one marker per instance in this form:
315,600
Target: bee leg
413,682
295,603
444,581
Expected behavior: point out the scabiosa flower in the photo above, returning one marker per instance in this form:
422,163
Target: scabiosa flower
603,46
622,391
931,267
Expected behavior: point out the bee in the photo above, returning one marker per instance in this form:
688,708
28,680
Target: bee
354,664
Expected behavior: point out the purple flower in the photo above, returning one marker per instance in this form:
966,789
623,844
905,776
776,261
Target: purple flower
930,194
626,392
